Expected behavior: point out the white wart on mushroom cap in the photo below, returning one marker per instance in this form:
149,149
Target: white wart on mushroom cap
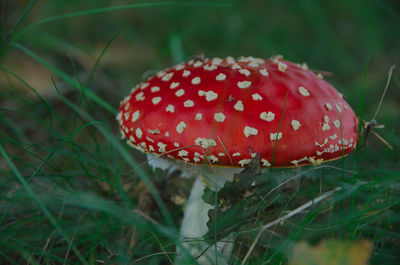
221,111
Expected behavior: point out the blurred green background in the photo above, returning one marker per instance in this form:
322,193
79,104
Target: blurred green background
355,40
59,43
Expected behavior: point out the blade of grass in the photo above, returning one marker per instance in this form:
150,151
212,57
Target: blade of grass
16,25
107,10
44,161
125,155
44,209
99,58
67,79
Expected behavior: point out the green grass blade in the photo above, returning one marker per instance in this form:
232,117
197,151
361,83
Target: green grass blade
7,39
107,10
102,103
127,157
99,58
44,209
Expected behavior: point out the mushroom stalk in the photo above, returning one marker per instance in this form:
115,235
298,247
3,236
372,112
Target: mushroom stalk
194,223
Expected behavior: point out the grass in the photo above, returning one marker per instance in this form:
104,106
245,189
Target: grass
71,192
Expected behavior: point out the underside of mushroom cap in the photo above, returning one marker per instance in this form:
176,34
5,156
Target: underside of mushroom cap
223,111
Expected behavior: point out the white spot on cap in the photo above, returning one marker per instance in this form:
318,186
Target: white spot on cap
295,124
244,72
236,154
143,145
244,84
253,64
201,93
182,153
338,107
140,96
119,116
180,92
144,85
155,89
198,154
267,116
216,60
155,131
198,64
304,92
220,77
235,66
167,77
139,133
333,137
213,158
325,127
131,139
176,144
221,154
326,119
205,143
328,106
196,80
156,100
166,134
174,85
179,67
199,117
244,162
126,116
256,97
282,67
265,163
170,108
239,106
264,72
321,145
196,159
210,67
275,136
211,95
161,74
230,60
188,103
161,147
180,127
295,162
186,73
249,131
336,123
219,117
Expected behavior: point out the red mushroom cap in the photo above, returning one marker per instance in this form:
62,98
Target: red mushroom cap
223,111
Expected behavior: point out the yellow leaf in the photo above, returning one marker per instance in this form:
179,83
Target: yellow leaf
332,252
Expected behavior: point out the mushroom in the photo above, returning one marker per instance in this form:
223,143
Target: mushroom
214,115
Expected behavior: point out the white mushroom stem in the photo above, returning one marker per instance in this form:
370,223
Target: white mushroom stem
194,224
195,218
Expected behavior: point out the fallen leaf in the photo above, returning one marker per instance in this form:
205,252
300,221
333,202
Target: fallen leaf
332,252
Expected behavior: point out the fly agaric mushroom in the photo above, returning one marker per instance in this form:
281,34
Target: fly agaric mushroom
219,113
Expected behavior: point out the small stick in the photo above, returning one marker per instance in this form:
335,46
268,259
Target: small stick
384,91
288,215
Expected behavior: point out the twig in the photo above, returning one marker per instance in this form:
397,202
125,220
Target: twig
290,214
384,91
